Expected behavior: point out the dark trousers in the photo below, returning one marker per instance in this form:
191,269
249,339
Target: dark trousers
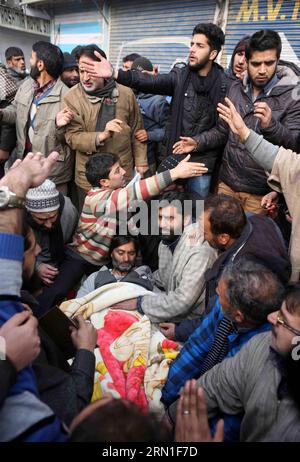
70,273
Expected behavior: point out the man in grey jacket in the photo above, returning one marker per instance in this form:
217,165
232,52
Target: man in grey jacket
37,112
184,257
284,166
256,380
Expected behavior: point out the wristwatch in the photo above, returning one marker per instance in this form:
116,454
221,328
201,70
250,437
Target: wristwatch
9,199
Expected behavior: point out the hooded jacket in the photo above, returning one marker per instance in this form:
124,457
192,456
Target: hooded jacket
238,169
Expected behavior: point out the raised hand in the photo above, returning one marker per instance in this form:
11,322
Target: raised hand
233,119
64,117
191,418
264,113
113,126
97,69
29,172
186,169
185,145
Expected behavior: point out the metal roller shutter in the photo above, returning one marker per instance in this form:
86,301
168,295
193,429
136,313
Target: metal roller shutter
163,28
247,16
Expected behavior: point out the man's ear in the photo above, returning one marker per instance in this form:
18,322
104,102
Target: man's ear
239,317
213,55
104,183
40,65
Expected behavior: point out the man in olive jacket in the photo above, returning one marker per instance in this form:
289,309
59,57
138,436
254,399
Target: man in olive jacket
106,117
35,112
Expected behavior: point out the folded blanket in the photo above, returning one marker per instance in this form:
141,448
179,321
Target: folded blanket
133,358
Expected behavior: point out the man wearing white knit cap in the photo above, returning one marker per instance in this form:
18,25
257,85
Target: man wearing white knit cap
53,219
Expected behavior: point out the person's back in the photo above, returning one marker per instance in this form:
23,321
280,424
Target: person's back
237,236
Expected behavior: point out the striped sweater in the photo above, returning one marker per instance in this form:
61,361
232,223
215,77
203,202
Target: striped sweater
102,213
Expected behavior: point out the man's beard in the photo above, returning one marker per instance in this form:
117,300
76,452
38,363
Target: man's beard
262,84
122,267
43,228
34,72
171,236
199,66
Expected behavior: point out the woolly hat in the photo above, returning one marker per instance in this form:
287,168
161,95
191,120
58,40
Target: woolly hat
142,64
44,198
69,61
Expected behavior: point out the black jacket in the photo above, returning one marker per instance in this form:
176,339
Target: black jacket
198,111
238,169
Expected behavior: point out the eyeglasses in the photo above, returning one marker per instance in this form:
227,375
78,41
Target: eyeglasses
280,321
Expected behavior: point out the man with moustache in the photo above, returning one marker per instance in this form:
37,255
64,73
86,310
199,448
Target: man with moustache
106,118
195,90
123,252
37,112
15,64
53,218
183,258
268,101
70,73
257,380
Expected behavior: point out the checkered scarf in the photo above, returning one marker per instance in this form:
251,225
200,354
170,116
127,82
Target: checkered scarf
8,87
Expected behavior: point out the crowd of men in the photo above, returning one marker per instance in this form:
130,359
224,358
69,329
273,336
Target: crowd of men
207,159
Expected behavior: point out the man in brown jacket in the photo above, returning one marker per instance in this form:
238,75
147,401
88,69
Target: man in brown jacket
106,117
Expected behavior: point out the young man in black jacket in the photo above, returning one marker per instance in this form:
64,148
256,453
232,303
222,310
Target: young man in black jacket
195,90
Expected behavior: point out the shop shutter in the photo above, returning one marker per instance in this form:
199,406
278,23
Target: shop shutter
158,29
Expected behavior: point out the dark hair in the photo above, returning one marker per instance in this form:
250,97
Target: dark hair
226,215
51,55
13,51
120,421
117,241
132,57
253,289
76,51
214,34
89,51
292,298
98,167
263,40
176,199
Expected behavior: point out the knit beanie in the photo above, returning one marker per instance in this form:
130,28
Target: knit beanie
69,61
44,198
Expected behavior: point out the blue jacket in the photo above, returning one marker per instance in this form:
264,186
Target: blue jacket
155,111
47,429
189,363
